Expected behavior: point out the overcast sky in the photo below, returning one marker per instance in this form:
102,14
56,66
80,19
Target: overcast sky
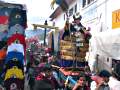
38,10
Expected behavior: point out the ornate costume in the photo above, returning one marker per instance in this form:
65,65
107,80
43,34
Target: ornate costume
77,37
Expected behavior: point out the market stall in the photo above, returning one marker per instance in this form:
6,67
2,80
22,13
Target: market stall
14,23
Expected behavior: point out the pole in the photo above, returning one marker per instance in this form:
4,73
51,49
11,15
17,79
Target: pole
45,33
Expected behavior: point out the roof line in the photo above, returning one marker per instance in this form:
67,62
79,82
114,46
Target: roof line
62,7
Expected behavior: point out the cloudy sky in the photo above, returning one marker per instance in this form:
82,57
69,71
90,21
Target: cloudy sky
38,10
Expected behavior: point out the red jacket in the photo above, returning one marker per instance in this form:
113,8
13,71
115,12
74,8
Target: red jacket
19,37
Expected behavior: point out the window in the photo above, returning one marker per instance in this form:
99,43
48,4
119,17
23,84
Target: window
89,1
86,2
83,3
71,12
75,8
107,59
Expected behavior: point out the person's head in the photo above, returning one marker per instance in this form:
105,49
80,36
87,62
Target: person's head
104,74
82,79
47,71
77,17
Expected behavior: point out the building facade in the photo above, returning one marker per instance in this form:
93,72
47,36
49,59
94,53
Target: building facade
99,15
102,16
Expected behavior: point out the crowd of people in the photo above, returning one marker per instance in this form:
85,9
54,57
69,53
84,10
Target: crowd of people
43,73
104,80
41,77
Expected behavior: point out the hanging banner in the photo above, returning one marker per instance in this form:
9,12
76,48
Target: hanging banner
116,19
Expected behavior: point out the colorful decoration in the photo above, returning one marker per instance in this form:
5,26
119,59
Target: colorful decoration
12,26
74,43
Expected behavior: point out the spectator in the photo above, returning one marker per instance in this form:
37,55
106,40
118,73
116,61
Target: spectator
96,80
114,82
45,80
81,83
31,77
103,84
50,59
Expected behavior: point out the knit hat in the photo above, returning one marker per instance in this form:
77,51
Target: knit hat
104,73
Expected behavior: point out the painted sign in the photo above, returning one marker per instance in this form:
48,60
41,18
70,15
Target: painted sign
116,19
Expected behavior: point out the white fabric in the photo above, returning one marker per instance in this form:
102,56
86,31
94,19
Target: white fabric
16,47
93,85
114,84
106,44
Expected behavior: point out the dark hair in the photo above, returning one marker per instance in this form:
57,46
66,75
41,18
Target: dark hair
82,74
46,68
104,73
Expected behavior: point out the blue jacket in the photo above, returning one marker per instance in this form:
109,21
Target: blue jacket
14,54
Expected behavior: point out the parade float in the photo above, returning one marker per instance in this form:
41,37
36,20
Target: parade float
73,47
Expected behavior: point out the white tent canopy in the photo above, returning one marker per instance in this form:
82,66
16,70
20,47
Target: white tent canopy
106,44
